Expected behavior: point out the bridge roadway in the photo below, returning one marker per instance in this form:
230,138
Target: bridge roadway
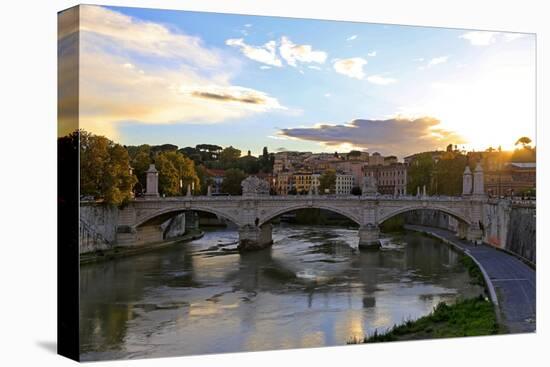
514,282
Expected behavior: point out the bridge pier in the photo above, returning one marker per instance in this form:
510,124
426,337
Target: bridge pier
369,237
253,238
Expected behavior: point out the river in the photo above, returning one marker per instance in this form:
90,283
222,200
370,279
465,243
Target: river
312,288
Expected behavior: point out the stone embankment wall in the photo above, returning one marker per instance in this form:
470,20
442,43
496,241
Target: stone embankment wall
432,218
506,225
174,227
98,228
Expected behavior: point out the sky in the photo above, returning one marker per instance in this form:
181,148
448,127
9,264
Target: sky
157,76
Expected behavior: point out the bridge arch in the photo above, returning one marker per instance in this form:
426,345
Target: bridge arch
455,214
272,215
159,216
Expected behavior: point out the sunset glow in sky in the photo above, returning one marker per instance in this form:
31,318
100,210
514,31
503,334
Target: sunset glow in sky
158,76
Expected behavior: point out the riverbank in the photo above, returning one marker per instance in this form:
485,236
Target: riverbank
470,317
118,252
510,281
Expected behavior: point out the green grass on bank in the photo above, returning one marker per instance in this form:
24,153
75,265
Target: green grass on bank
473,270
470,317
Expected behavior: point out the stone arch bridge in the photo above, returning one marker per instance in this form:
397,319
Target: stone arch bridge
139,222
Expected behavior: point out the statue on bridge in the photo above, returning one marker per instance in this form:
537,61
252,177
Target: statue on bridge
370,187
254,186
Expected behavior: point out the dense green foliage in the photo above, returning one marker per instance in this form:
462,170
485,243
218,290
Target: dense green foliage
105,169
420,173
447,175
470,317
176,172
473,270
232,182
173,166
327,182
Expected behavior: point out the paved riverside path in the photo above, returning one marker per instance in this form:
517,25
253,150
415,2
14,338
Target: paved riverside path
513,280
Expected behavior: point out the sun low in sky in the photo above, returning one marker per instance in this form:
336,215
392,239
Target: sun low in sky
186,78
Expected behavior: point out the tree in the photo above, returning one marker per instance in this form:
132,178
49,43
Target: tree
447,175
118,181
229,155
105,169
140,163
192,153
327,182
266,161
204,179
231,183
248,164
163,148
354,154
209,152
524,141
420,172
174,168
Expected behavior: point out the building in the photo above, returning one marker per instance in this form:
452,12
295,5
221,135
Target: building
304,181
217,176
283,183
512,179
391,179
376,159
344,183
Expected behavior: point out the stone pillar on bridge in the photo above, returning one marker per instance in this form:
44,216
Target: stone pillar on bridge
370,186
152,182
467,182
252,236
369,237
479,188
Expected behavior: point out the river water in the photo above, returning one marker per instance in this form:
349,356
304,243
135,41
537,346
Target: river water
312,288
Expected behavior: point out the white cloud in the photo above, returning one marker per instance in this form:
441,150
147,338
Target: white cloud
314,67
116,85
293,53
438,60
419,59
480,38
265,54
248,25
351,38
328,95
147,38
265,67
372,54
352,67
380,80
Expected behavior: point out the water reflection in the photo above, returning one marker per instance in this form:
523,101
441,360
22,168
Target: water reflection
312,288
